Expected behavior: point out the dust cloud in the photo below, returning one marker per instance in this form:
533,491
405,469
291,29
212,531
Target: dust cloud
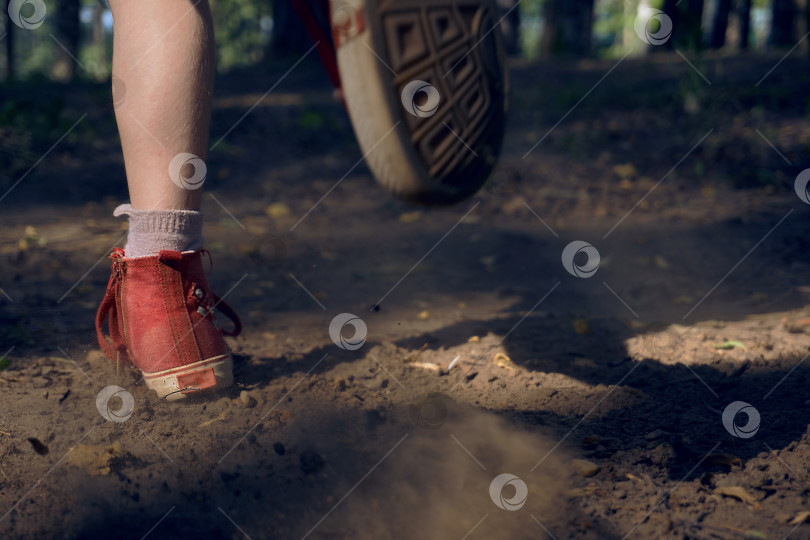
436,480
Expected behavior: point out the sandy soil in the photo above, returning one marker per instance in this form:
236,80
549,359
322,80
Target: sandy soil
603,396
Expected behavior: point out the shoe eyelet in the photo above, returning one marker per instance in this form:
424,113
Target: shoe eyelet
199,293
202,311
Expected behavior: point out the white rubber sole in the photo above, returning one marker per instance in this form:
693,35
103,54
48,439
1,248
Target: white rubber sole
204,376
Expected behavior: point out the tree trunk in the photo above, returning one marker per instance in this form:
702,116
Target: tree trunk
67,35
783,17
692,37
509,15
7,54
290,36
805,26
567,28
720,24
674,13
99,35
745,23
687,22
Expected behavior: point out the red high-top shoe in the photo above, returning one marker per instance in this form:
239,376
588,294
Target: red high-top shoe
161,320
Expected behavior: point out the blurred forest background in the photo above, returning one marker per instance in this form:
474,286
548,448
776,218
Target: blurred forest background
250,32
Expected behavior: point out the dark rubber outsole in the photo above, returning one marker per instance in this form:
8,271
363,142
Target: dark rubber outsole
432,156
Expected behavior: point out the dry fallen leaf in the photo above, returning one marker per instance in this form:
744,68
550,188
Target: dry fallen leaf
801,517
277,210
661,262
501,360
626,170
425,365
738,492
217,419
409,217
581,326
579,492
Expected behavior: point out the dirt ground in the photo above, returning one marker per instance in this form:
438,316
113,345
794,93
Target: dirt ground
604,396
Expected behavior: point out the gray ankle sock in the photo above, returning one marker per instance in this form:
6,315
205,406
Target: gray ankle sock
151,231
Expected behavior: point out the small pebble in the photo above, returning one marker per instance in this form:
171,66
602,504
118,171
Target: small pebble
245,398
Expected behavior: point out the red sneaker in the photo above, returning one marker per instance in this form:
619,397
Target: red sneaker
161,320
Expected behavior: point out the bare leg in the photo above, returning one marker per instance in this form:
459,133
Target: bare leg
164,56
